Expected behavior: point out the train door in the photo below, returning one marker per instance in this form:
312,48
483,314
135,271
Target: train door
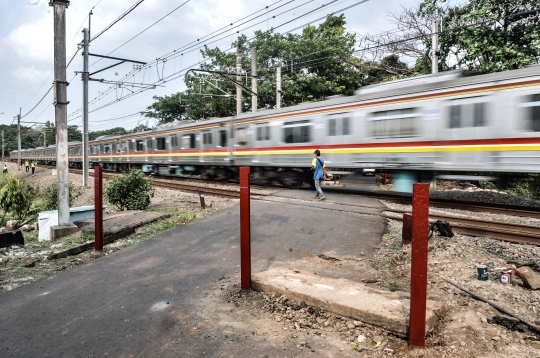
466,126
263,137
208,146
222,145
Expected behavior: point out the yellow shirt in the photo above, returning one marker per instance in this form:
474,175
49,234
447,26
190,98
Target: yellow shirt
314,163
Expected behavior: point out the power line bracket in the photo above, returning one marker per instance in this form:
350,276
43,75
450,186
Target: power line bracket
55,87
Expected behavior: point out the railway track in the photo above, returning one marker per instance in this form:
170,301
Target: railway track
446,204
227,193
518,233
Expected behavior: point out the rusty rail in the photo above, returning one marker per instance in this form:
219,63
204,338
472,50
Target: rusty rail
524,234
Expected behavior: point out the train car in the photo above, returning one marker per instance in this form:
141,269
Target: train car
446,122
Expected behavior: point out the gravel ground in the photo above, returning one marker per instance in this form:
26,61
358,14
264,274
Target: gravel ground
463,191
467,330
470,214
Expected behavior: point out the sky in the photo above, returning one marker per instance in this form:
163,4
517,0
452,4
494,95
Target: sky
27,56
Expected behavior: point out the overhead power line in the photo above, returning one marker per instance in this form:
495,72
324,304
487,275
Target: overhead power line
115,21
143,31
131,73
180,72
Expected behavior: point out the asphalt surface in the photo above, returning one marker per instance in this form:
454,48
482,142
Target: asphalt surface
161,298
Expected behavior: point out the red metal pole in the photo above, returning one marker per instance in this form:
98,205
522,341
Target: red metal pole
245,230
419,265
98,208
406,231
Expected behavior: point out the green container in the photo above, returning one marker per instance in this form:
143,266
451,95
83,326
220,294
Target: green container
482,272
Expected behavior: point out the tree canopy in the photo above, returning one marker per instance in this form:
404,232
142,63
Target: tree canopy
486,35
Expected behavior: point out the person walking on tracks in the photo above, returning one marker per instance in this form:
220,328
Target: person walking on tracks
27,165
33,167
318,167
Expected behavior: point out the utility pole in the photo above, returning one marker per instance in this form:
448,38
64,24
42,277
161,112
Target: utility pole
238,80
61,102
2,146
85,76
278,87
19,140
254,79
434,46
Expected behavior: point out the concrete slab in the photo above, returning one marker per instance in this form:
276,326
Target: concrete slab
58,232
116,223
388,310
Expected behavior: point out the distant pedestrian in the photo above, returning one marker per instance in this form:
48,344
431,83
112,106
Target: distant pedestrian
27,165
33,167
5,171
318,167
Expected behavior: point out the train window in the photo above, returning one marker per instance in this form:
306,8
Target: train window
263,132
346,129
188,141
533,116
479,114
396,123
174,141
150,143
297,132
131,145
241,136
223,138
467,115
161,144
455,116
207,138
140,145
338,126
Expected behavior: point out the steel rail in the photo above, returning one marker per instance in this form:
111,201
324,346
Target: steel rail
523,234
406,199
231,193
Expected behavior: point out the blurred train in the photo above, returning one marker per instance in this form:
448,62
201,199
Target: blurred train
448,122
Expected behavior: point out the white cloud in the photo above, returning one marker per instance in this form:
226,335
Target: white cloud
30,75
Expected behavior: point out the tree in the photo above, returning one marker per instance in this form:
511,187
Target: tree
112,131
486,35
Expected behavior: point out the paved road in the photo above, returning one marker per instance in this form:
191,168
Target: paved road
160,298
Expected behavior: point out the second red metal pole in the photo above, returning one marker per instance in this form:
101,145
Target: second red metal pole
98,208
245,230
419,264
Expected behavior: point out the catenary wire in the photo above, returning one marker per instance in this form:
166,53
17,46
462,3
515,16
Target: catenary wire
115,21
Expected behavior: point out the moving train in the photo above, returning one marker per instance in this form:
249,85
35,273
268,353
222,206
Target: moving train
447,122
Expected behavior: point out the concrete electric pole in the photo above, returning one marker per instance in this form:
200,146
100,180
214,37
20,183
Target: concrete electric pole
434,46
254,79
61,102
19,140
278,87
85,107
2,146
238,79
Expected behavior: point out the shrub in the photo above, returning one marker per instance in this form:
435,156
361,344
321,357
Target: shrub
129,191
16,197
49,195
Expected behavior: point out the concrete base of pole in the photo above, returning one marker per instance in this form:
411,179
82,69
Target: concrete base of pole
58,232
